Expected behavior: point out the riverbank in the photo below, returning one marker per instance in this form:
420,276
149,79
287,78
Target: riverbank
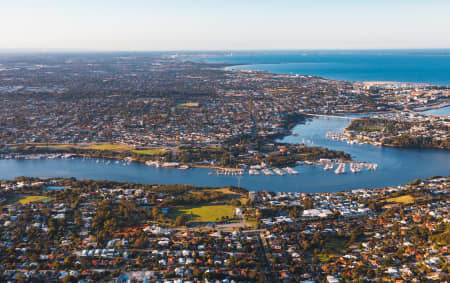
127,153
401,129
237,153
395,166
432,106
285,156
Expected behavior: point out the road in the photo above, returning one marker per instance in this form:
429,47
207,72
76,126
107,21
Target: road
233,226
268,263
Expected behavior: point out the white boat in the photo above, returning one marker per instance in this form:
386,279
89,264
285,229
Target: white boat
152,163
253,172
170,164
290,171
267,172
328,166
356,167
372,166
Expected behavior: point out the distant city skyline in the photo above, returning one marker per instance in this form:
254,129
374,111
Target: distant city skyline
224,25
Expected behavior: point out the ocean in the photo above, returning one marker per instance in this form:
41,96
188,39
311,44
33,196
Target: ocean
418,66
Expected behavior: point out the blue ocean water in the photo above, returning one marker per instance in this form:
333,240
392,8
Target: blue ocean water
420,66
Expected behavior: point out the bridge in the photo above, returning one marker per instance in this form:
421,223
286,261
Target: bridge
330,116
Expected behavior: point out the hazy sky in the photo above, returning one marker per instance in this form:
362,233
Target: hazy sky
225,24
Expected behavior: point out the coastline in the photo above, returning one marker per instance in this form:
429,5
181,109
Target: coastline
231,68
430,106
246,67
227,66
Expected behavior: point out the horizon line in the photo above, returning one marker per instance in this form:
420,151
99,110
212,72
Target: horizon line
89,50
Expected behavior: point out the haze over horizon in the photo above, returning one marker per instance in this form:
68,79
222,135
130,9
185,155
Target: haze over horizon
224,25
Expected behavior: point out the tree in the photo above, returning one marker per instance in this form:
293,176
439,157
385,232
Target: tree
141,242
307,204
180,220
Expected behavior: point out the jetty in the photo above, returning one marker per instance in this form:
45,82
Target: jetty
372,166
328,166
356,167
340,169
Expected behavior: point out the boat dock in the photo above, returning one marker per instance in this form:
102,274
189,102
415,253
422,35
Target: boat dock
340,169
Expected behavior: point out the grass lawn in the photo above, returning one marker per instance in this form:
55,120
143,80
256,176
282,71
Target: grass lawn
226,191
150,151
252,222
233,195
406,199
109,147
333,248
370,128
55,146
325,257
203,213
189,104
30,199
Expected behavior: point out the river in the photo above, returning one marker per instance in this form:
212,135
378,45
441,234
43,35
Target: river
396,166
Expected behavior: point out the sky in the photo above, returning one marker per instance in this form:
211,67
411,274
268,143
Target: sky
144,25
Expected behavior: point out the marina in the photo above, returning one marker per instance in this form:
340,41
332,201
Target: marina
227,172
267,172
340,136
340,169
356,167
328,166
254,170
